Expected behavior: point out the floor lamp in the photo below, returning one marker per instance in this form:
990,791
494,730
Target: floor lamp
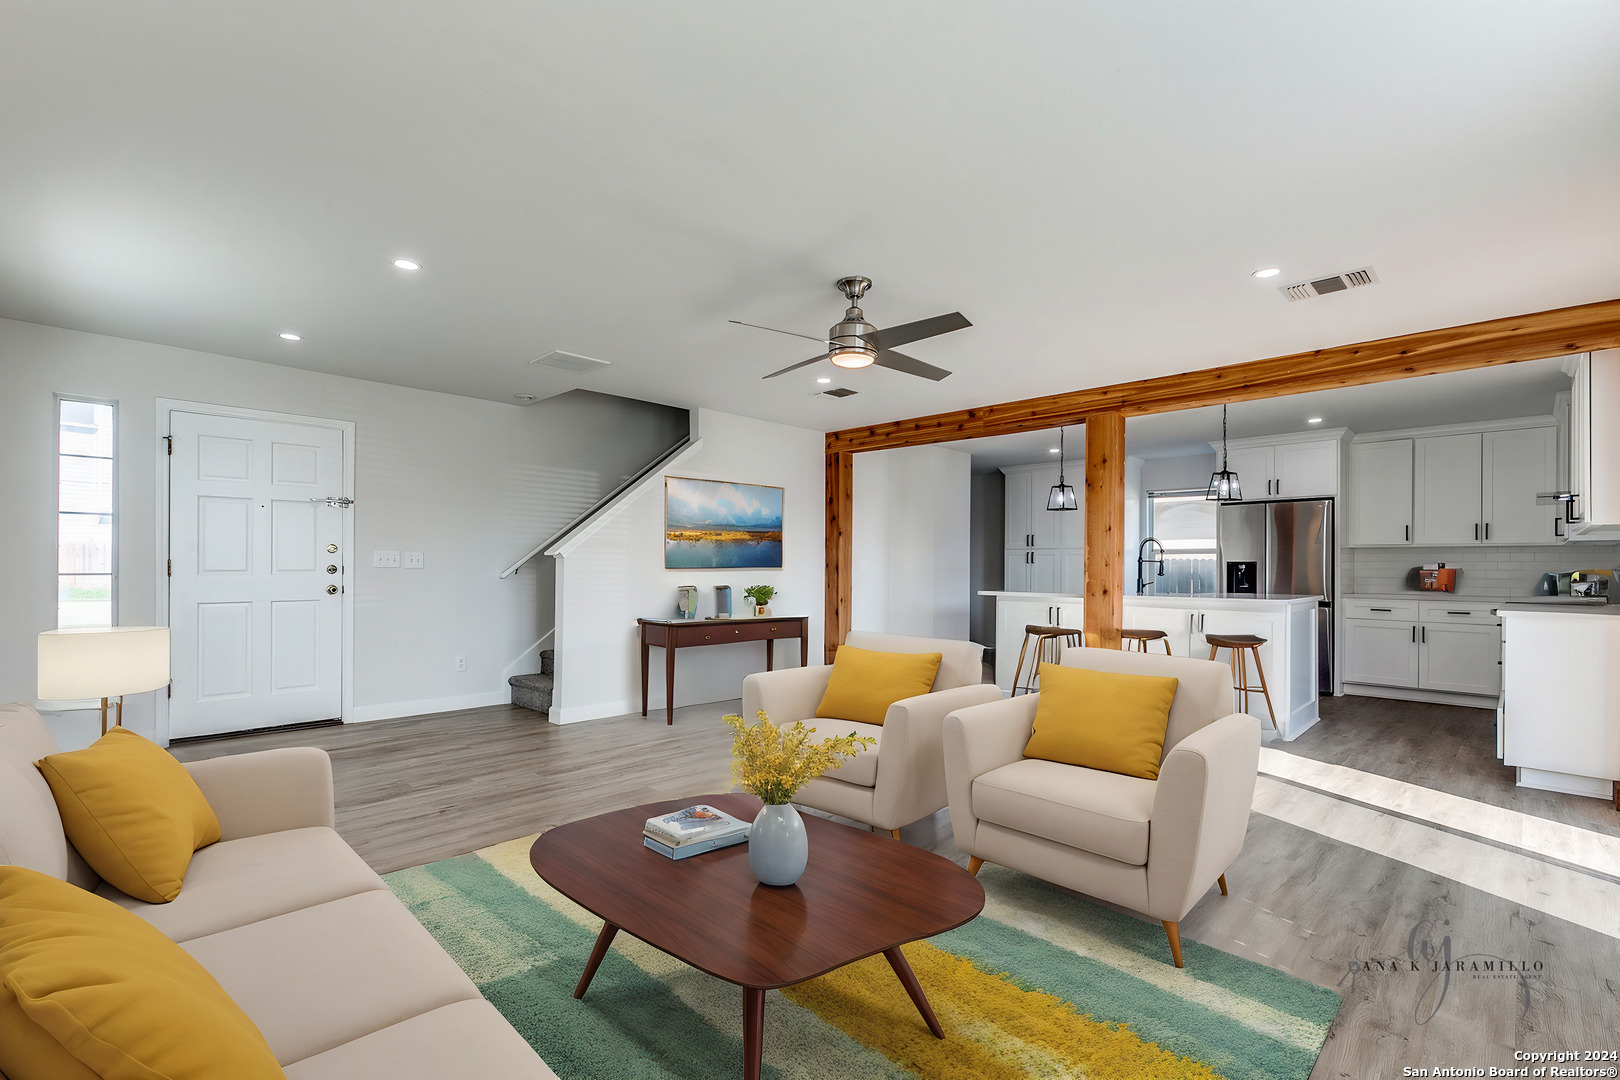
103,662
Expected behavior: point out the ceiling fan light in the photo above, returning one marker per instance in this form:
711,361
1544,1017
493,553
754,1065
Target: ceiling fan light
847,356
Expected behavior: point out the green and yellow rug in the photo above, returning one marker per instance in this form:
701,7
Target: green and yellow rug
1042,984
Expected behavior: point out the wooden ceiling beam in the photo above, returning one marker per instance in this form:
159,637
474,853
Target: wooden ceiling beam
1535,336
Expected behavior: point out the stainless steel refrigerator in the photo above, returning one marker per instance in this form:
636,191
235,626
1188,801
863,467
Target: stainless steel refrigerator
1281,548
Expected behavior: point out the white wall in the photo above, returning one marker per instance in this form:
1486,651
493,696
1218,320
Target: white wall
1178,473
911,543
612,573
471,484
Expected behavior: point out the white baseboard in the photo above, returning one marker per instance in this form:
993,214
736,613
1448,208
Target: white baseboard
1437,697
393,710
574,714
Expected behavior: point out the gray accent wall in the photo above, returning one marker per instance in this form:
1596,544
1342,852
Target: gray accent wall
986,525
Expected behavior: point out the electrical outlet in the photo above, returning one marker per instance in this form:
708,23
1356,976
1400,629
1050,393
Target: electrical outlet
385,558
461,663
413,560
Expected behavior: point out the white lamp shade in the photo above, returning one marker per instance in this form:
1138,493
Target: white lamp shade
103,661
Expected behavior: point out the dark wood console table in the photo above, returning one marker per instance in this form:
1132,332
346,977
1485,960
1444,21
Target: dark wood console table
673,634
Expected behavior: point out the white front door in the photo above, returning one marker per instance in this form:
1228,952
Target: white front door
257,573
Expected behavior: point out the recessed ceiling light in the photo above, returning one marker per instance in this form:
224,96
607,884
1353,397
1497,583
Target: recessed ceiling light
407,264
292,337
1268,271
1313,420
824,380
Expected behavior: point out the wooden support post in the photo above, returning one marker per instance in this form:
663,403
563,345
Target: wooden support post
1105,529
840,548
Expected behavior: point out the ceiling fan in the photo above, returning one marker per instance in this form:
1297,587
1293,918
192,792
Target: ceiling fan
856,343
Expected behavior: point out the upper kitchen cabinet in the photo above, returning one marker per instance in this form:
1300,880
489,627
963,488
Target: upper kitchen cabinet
1594,512
1298,466
1029,524
1446,489
1519,466
1456,486
1380,510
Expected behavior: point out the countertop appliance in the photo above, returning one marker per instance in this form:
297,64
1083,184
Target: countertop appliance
1282,548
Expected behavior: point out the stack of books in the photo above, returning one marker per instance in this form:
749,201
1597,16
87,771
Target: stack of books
693,831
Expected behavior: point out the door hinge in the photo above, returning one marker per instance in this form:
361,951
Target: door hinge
170,440
169,690
171,567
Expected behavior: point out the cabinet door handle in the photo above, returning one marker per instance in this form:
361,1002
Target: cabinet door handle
1385,609
1476,530
1279,485
1408,533
1414,635
1459,613
1487,530
1425,635
1558,523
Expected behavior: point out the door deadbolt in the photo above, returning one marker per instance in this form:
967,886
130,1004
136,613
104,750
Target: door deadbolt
331,549
330,569
331,590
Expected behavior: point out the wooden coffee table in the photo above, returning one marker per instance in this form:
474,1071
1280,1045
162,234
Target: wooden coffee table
862,894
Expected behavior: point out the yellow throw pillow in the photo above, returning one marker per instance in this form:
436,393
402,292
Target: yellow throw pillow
133,812
111,990
1102,719
865,683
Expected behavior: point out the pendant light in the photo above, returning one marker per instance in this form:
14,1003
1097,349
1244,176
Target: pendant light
1062,496
1223,485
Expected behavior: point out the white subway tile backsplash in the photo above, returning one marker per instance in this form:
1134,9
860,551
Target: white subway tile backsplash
1481,571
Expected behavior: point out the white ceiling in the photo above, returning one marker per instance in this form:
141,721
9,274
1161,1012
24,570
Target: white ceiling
1463,397
1091,184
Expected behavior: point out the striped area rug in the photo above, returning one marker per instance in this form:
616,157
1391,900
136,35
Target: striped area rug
1041,985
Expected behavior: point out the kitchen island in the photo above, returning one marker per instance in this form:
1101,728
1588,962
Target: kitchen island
1560,721
1288,623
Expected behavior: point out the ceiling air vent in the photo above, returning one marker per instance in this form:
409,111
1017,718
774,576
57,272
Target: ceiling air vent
567,361
1350,279
840,391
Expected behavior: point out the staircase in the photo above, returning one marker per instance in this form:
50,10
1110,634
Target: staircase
534,691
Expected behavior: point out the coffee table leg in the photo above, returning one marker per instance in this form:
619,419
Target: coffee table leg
753,1032
603,940
897,960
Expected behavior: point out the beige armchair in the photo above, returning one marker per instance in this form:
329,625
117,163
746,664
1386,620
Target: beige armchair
902,778
1152,845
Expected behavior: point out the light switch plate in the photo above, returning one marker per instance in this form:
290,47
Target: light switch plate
413,560
385,558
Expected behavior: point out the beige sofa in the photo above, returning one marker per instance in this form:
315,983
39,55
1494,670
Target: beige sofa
902,778
342,980
1153,845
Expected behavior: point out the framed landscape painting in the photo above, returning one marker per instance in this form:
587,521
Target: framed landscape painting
716,525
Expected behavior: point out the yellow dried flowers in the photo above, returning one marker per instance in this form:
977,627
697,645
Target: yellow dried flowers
774,762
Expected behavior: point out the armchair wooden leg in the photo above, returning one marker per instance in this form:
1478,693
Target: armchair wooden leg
974,862
895,833
1222,880
1173,932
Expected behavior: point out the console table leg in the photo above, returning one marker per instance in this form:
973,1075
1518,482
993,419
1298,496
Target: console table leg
646,659
897,960
669,682
770,654
603,940
753,1032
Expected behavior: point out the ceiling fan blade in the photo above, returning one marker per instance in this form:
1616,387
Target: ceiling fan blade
796,367
909,364
774,330
906,333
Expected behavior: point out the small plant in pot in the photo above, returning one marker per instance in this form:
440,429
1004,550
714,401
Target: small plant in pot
773,763
761,596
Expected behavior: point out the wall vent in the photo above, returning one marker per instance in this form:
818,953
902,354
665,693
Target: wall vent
1350,279
840,391
567,361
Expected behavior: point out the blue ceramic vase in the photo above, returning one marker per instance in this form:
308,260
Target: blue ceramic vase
778,846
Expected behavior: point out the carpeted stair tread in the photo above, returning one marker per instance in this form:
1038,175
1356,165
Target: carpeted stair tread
532,691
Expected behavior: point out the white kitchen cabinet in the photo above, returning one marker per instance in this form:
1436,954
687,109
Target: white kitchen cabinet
1380,653
1043,547
1519,465
1447,479
1561,700
1043,571
1285,466
1019,505
1045,525
1594,514
1013,615
1460,659
1015,571
1307,470
1380,510
1176,624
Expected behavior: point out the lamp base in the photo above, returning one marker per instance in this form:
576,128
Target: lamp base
118,717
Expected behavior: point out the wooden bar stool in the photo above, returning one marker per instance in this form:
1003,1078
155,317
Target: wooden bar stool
1242,645
1141,638
1049,642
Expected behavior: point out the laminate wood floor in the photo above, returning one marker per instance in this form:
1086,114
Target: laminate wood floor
1327,885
